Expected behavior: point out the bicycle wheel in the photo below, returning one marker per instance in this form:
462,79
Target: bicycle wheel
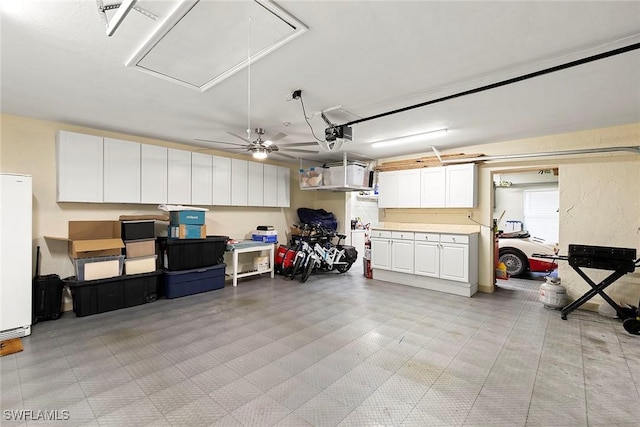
343,268
297,264
308,268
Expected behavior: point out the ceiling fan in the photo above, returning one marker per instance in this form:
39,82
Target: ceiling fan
260,148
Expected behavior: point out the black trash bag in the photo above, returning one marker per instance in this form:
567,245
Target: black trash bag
326,220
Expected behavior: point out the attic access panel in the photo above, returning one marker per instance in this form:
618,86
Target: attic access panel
201,43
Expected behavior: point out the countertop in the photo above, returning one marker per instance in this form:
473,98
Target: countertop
429,228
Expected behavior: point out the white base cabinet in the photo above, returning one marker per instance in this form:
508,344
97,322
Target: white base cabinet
436,261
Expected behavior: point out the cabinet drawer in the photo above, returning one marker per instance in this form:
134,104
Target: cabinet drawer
380,233
402,235
427,237
454,238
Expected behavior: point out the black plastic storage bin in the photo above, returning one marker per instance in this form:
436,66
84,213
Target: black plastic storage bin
189,282
137,230
98,296
187,254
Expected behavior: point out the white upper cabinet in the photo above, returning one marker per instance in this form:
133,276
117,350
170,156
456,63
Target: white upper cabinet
461,186
432,187
284,187
153,174
179,176
121,171
79,167
408,189
388,189
201,179
239,182
255,186
221,181
270,173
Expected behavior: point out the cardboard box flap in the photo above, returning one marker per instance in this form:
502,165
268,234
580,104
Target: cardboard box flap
92,230
78,246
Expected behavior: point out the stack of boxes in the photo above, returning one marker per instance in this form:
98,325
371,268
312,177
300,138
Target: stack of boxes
192,261
140,246
95,248
265,234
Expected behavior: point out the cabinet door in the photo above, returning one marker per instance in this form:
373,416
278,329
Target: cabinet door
255,187
121,171
408,189
270,174
432,187
461,186
239,182
79,160
284,190
221,181
454,262
201,179
402,256
381,254
178,176
427,258
387,189
153,174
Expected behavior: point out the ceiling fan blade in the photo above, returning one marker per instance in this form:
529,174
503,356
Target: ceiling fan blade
240,137
296,150
298,144
277,137
217,142
278,153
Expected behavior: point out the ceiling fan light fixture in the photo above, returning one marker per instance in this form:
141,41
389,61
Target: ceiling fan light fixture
408,139
260,154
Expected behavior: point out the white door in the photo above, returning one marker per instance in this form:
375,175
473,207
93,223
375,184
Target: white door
201,179
79,167
284,184
381,254
432,187
239,182
402,256
387,189
454,262
121,171
409,189
178,176
153,174
427,258
221,181
461,186
270,174
255,186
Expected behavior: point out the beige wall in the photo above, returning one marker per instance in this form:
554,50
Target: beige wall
28,146
599,200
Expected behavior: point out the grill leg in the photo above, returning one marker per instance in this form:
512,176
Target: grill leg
596,289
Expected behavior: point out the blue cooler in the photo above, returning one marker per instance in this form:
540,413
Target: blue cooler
189,282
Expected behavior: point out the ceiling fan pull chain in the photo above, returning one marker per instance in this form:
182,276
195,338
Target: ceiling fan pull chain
249,80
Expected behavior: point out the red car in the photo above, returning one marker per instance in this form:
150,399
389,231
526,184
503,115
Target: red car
516,253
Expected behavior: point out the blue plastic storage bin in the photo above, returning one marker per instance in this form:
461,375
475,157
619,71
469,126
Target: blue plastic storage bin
189,282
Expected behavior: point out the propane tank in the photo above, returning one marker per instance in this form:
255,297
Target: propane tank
552,293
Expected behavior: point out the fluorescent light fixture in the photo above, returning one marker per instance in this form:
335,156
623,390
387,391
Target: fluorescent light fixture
409,138
260,154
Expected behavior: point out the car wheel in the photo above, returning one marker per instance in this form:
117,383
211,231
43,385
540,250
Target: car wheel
516,262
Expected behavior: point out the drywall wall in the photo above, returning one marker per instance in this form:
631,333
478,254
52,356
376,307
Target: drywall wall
28,146
599,198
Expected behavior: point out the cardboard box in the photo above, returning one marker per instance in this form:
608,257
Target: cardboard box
187,231
93,239
102,267
186,217
140,265
140,248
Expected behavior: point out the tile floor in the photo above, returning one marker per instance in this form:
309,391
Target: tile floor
338,350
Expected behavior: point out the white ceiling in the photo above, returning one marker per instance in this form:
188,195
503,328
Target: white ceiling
367,57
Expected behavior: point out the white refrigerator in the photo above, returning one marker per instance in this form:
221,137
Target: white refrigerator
16,252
